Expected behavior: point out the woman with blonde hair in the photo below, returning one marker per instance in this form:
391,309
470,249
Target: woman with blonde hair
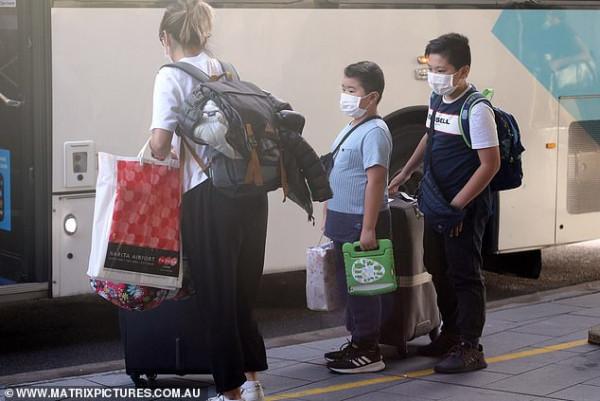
223,237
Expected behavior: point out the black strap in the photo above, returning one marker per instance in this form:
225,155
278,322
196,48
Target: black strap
191,70
339,145
200,75
431,134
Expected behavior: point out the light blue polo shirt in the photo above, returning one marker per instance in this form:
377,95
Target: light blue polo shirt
369,145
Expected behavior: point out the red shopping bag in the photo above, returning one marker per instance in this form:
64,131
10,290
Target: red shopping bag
136,235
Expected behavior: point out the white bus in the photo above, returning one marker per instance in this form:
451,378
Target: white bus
76,78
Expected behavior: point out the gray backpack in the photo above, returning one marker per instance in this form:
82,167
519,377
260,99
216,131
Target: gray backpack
254,121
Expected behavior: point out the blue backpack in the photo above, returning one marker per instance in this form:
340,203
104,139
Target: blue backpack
510,175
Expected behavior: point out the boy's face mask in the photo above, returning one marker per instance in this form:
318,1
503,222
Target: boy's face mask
350,105
441,84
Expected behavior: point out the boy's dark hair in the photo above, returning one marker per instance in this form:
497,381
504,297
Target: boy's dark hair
454,47
369,75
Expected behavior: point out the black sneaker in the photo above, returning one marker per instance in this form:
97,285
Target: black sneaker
358,360
340,354
440,346
463,357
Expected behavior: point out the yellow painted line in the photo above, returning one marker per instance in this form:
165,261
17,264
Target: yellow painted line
421,373
333,389
537,351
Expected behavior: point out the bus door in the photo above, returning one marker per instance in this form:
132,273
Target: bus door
23,208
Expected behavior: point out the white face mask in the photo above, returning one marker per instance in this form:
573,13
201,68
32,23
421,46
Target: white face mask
349,105
442,84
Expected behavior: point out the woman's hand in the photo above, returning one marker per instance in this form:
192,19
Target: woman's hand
160,143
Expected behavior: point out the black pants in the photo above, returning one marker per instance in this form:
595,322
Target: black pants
363,313
455,264
224,239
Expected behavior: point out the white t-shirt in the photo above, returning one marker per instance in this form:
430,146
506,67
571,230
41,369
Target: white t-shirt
171,87
482,124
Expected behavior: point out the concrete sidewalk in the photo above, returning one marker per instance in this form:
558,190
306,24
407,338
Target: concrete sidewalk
536,348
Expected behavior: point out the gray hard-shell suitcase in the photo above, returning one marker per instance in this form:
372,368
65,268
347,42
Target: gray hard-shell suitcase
413,311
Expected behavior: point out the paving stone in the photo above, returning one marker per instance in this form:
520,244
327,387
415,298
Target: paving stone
303,371
411,364
522,365
276,363
425,389
473,379
594,312
70,382
277,384
545,380
509,341
381,396
112,380
493,326
531,312
578,335
544,399
586,301
317,361
474,394
593,382
558,326
335,380
589,360
298,353
332,344
580,392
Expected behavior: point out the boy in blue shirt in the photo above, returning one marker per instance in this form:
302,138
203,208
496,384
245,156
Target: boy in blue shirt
463,174
359,209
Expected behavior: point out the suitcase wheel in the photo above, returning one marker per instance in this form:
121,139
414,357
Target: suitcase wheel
402,350
433,334
138,381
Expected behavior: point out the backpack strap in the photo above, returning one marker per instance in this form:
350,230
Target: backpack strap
191,70
185,145
230,71
465,114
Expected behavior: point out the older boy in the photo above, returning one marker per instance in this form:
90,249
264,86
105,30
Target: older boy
463,174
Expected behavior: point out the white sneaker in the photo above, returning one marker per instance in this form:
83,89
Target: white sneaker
253,391
221,397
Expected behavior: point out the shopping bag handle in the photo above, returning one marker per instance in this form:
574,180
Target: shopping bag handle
145,155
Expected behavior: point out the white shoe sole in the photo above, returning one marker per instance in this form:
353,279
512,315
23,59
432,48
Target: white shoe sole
253,396
370,368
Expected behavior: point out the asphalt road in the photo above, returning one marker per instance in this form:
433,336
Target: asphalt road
48,334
